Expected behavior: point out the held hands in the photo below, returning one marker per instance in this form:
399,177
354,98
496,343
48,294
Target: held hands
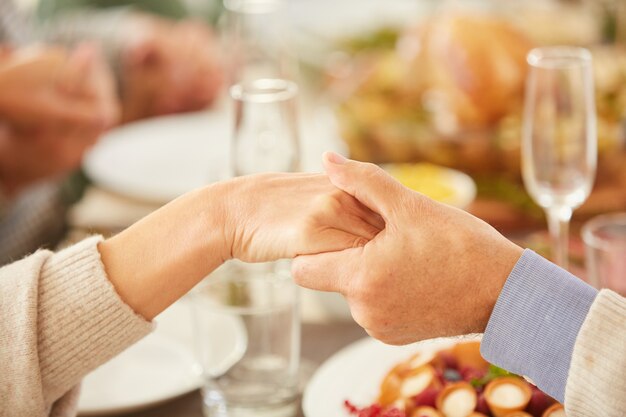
433,271
256,218
54,105
53,87
415,270
272,216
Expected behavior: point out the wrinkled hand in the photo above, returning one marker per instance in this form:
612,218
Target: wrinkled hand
169,68
273,216
433,271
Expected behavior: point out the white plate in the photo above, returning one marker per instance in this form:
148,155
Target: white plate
159,159
158,368
355,373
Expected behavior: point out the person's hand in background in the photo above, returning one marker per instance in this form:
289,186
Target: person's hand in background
54,105
433,271
169,67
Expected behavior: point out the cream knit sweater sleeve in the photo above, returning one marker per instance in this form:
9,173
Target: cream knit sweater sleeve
596,385
60,318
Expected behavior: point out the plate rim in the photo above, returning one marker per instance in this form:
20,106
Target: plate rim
369,342
91,162
159,336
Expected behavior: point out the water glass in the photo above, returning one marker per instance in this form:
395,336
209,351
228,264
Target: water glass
605,245
256,36
247,328
265,131
559,146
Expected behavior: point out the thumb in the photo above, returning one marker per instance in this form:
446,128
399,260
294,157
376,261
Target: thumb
366,182
327,271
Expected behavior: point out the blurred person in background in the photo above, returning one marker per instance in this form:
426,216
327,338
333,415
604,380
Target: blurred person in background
165,62
55,103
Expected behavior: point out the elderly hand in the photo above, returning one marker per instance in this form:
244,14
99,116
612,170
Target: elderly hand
54,105
433,271
169,67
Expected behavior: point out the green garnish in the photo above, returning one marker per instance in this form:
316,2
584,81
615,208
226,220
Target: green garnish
492,373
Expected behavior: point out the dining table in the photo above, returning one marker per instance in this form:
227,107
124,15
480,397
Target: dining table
325,329
319,342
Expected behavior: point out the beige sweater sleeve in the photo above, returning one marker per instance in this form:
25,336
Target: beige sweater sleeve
60,318
596,384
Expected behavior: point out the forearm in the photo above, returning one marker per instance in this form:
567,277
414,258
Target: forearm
160,258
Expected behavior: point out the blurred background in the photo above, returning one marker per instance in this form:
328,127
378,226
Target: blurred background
440,82
111,108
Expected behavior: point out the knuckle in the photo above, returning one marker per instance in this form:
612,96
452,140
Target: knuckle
371,168
359,242
365,321
371,171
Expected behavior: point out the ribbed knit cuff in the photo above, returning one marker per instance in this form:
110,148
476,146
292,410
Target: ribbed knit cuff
82,321
535,322
597,376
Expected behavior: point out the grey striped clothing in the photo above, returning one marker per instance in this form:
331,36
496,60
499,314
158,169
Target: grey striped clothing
35,219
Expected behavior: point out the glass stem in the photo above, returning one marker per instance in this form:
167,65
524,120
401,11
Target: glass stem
558,225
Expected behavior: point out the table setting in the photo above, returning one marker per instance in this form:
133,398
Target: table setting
480,107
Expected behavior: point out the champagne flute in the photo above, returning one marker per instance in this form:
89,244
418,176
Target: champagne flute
559,146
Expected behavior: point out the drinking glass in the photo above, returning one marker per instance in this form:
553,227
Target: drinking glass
247,330
559,145
256,37
265,132
605,245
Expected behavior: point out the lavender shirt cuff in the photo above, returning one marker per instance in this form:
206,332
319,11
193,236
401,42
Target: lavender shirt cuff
534,325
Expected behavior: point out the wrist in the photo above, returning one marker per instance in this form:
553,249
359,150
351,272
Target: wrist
502,264
201,220
215,212
226,196
158,259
